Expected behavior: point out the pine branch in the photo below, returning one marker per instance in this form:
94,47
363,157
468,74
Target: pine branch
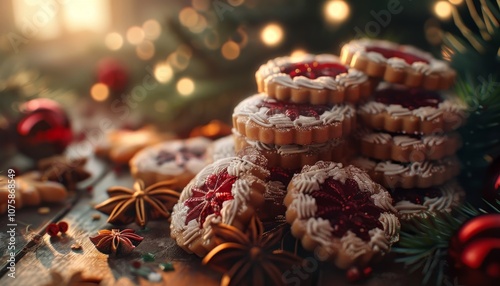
424,242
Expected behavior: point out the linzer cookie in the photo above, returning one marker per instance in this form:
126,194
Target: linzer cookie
341,214
176,159
283,123
227,191
407,148
426,174
294,157
426,202
396,63
315,79
412,111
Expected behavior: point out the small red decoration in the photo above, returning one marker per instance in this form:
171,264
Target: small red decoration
63,226
52,230
475,251
112,73
491,188
44,129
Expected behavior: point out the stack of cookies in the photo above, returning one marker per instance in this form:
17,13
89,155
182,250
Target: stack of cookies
406,139
303,112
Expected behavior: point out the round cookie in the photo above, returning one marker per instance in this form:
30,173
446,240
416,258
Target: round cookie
283,123
396,63
407,148
426,202
227,191
412,111
177,159
294,157
341,214
314,79
426,174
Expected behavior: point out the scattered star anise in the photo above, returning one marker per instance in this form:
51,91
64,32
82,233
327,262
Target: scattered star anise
140,204
116,242
249,258
76,279
64,170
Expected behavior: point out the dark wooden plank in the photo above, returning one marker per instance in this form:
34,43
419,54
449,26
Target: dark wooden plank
30,223
56,255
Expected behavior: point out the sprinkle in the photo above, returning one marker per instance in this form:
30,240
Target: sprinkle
148,257
76,246
166,266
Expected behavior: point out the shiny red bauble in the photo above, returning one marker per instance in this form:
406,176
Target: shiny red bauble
113,74
475,251
43,130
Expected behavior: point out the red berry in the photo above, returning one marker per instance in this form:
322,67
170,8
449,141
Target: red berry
63,226
52,229
353,274
367,271
136,264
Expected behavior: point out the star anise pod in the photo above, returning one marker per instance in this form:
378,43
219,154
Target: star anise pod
64,170
249,258
76,279
140,204
116,242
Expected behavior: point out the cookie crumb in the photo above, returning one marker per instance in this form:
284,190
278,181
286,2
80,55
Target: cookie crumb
43,210
96,217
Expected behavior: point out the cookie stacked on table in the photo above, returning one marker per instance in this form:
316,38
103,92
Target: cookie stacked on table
303,111
407,140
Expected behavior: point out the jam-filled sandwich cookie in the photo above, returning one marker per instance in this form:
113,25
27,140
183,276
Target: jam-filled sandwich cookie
407,148
315,79
412,111
294,157
227,191
341,214
426,202
121,145
396,63
426,174
282,123
176,159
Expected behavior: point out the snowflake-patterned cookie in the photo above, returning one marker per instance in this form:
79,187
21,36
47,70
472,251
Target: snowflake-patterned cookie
227,191
341,214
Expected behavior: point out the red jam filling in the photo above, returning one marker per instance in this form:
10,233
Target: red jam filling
347,208
415,196
390,53
181,157
208,198
410,98
314,70
293,110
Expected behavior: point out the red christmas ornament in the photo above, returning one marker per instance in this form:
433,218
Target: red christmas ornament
491,189
112,73
44,130
475,251
63,226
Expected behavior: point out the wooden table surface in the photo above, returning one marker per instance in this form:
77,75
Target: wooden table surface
38,255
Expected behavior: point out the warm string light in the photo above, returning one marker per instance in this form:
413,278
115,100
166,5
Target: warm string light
230,50
152,29
456,2
99,92
163,72
336,11
443,9
298,53
272,34
145,50
113,41
135,35
185,86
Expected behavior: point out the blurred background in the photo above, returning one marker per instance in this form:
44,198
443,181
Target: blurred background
179,64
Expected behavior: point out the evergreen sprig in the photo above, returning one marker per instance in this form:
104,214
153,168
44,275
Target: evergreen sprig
480,133
424,242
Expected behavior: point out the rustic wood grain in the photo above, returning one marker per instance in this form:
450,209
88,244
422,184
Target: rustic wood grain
55,254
